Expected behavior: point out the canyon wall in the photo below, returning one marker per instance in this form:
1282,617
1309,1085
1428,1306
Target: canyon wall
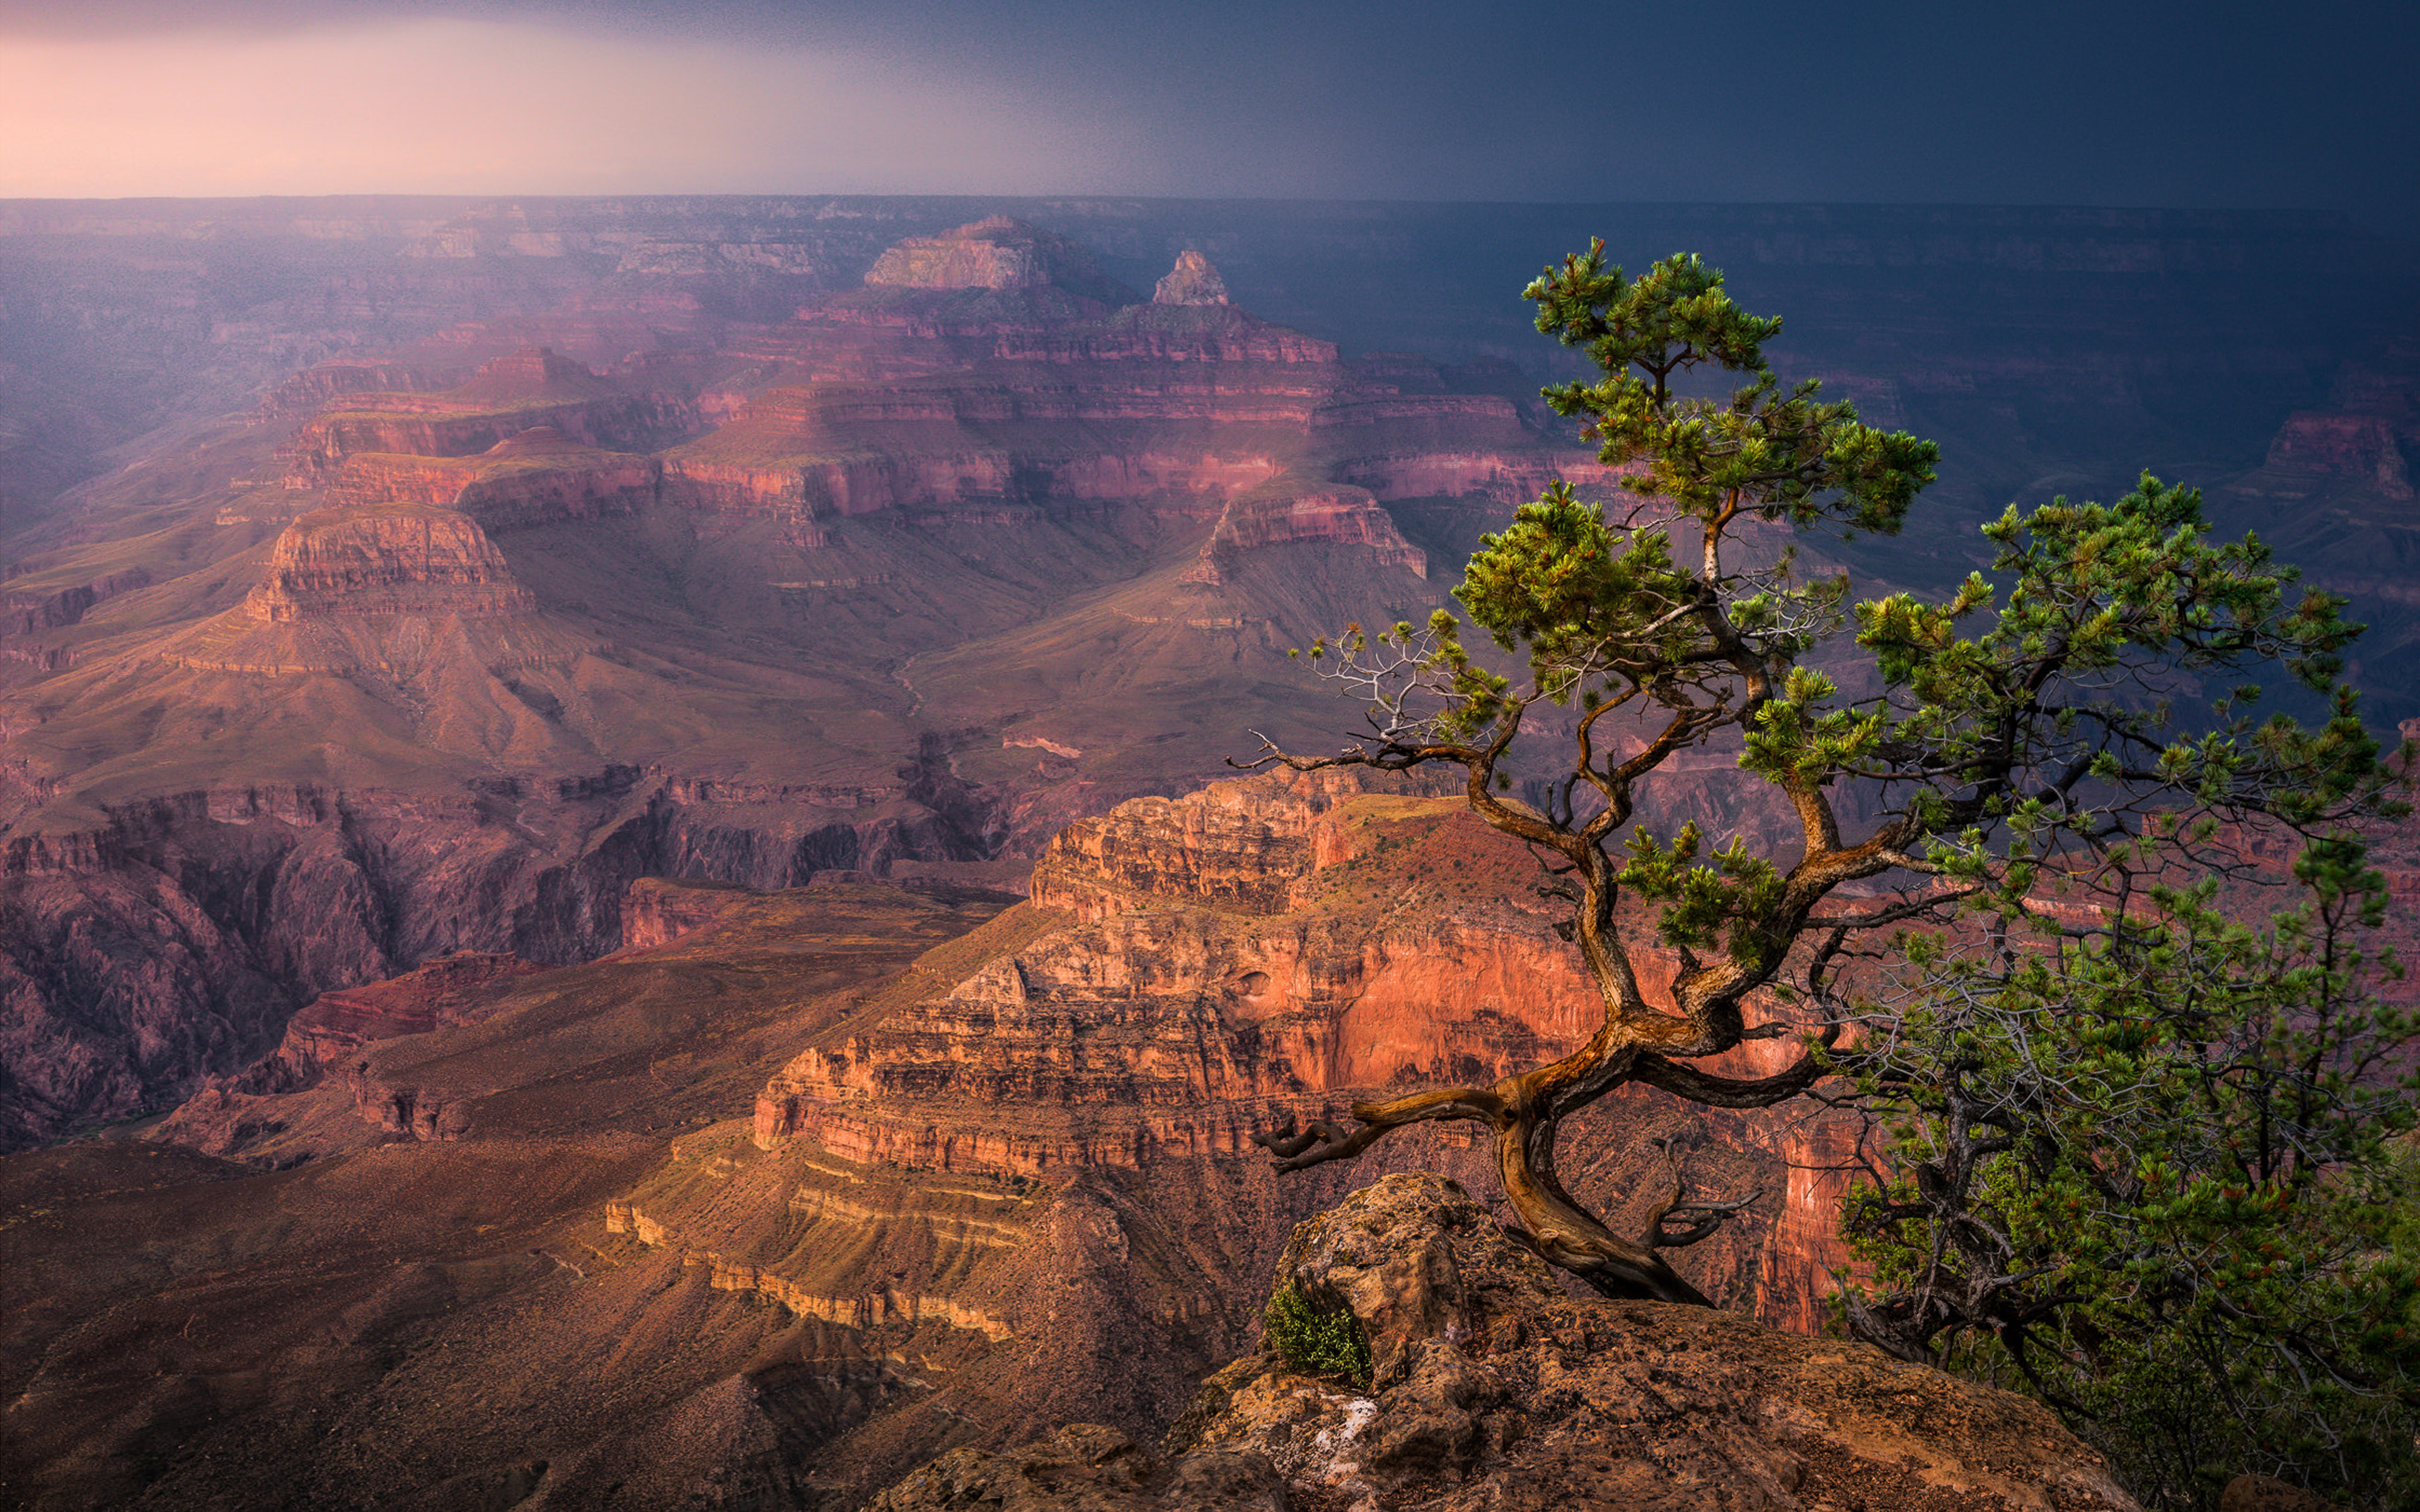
387,561
538,476
975,547
1001,1172
529,389
1270,948
175,941
483,587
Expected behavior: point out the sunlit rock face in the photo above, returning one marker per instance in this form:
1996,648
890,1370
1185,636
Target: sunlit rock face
314,389
397,559
777,575
492,561
996,253
1194,280
1006,1157
1289,942
538,476
1068,387
745,518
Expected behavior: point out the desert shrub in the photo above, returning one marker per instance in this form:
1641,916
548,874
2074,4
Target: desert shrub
1318,1341
2156,1176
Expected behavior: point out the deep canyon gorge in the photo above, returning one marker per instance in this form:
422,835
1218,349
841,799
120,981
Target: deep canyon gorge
618,880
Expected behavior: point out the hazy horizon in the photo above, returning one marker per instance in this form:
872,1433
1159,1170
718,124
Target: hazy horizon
2163,107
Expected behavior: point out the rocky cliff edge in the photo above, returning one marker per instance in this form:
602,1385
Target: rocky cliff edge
1491,1388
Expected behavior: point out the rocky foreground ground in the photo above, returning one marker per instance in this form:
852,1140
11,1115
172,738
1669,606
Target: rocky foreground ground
1494,1389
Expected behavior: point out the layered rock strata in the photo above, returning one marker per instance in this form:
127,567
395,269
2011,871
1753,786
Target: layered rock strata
527,389
451,1319
538,476
1028,565
241,1116
2353,447
392,559
450,990
1278,947
1277,515
2334,497
998,251
23,613
924,399
173,941
316,388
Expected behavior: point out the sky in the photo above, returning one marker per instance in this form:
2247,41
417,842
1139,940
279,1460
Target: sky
2049,101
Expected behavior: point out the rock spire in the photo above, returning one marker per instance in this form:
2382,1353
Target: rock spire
1194,280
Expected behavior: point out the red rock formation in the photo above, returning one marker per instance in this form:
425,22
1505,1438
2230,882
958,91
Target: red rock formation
323,1041
996,253
537,477
1238,846
232,1114
815,452
453,989
1338,514
171,940
1060,391
987,363
578,1088
1172,332
1283,943
2349,446
1181,405
620,332
2387,384
23,613
316,388
240,1115
400,560
510,395
656,912
1194,280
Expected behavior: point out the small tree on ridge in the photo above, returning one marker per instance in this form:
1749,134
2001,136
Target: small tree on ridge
2029,747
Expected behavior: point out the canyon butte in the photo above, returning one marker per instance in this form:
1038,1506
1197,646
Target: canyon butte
605,829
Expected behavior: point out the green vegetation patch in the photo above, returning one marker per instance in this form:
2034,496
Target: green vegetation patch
1316,1340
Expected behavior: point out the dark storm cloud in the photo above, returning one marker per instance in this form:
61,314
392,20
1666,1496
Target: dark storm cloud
2064,102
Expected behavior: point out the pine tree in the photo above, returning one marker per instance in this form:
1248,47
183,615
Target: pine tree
2009,734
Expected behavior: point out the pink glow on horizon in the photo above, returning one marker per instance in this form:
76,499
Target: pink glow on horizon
446,106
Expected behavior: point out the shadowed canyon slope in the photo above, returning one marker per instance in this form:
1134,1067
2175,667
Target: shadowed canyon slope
391,577
772,1206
